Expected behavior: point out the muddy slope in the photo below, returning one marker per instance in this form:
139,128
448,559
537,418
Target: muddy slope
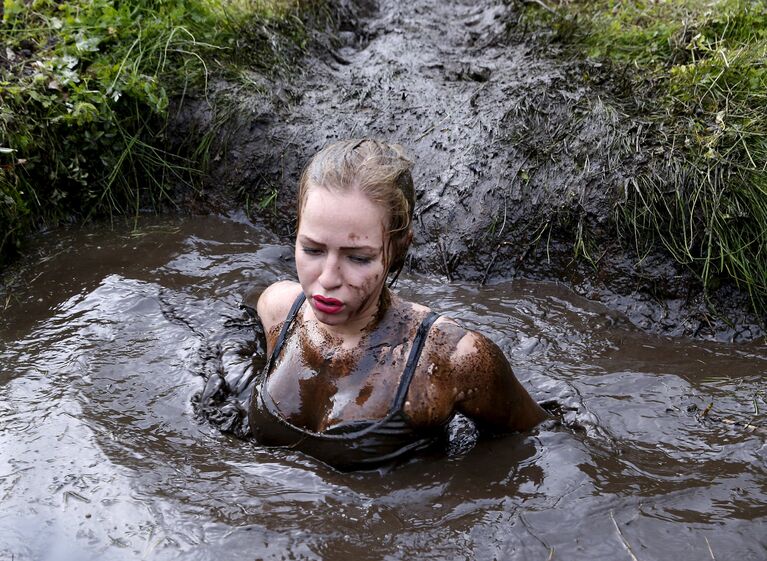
516,154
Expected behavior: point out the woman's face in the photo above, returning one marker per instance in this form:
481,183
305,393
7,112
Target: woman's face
340,257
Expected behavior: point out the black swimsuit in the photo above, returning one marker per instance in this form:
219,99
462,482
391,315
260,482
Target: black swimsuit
357,444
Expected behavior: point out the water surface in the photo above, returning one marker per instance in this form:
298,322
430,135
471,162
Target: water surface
102,456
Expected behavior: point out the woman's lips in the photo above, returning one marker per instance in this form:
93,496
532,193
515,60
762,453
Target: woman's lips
327,305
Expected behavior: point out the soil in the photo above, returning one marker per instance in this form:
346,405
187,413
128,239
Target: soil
521,155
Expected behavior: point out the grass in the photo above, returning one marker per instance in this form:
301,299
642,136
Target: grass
86,87
697,75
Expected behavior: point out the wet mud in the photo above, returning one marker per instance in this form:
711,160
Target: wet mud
105,344
110,342
518,153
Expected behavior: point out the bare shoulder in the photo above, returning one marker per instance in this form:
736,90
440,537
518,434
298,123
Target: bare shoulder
437,386
476,345
449,339
275,302
472,373
446,336
468,352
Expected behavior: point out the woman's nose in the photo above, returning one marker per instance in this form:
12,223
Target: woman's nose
330,277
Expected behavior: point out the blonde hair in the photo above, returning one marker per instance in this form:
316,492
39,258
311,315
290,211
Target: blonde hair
380,171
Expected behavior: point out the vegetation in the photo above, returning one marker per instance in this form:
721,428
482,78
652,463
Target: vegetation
698,73
85,92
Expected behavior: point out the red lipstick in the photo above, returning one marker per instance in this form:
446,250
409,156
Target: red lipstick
327,305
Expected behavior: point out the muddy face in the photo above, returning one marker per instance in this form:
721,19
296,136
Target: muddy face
340,258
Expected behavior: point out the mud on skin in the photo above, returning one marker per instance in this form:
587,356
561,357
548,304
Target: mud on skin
365,378
504,138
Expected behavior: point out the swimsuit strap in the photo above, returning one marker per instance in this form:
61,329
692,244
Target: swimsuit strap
284,331
412,360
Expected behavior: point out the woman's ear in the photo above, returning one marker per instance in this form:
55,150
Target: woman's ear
409,237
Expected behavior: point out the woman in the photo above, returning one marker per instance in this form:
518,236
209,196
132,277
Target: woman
357,376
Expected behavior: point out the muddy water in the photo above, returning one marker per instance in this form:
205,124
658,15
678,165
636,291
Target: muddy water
102,456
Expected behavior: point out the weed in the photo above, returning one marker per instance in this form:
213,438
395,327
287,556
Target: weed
698,75
269,200
85,88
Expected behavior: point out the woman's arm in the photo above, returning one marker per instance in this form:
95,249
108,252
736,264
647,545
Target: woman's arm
464,371
273,307
489,393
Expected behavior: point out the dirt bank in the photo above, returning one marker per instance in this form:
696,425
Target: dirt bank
520,157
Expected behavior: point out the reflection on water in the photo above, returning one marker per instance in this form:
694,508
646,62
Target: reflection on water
103,457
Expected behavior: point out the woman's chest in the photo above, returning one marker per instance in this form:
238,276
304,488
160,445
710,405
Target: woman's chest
317,388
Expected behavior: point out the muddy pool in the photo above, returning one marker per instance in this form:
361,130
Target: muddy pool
103,457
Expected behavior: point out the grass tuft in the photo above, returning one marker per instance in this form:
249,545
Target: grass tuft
697,71
85,88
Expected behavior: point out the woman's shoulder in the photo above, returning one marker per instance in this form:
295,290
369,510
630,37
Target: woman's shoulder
458,365
447,336
443,330
275,301
453,342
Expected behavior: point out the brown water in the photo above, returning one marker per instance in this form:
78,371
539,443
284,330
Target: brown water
102,455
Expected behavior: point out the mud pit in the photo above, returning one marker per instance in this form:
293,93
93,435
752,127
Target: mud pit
103,457
504,137
105,343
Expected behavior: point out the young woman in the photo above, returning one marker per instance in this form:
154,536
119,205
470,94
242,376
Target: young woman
357,376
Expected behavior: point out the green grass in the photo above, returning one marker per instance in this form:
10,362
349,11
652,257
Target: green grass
85,92
697,72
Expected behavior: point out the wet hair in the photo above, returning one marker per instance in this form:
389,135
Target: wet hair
380,171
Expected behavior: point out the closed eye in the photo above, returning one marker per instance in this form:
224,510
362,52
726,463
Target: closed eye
360,259
311,250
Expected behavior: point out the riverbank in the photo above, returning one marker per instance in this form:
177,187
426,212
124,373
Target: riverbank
690,77
87,89
523,163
